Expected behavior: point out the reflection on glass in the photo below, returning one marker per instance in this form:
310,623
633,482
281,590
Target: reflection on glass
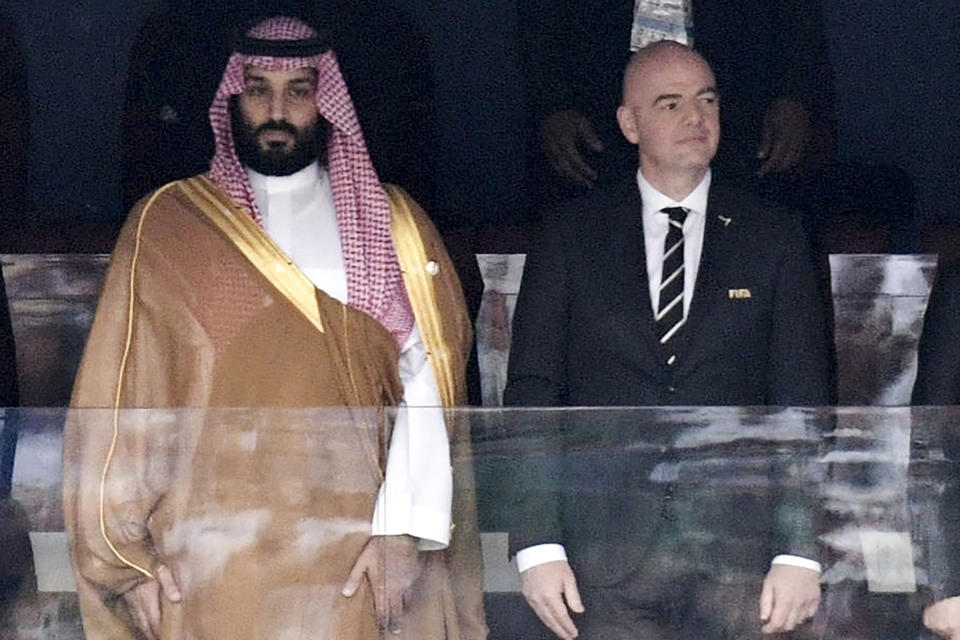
693,502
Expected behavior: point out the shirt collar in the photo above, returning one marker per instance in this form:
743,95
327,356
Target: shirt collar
281,184
653,200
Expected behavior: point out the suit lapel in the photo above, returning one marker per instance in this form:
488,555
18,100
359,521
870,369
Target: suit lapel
640,287
711,277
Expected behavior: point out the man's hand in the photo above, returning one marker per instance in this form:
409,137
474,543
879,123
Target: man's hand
392,565
563,134
789,597
786,132
549,589
145,602
943,618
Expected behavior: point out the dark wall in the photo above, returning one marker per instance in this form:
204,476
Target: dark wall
475,61
76,64
898,91
897,81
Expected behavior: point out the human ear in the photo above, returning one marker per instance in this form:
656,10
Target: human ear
627,120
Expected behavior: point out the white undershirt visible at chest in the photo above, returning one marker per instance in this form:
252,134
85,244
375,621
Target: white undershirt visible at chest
655,227
299,215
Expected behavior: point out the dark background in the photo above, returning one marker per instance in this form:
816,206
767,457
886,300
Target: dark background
896,67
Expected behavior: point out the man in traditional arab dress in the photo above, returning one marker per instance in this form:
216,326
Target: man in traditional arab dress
285,277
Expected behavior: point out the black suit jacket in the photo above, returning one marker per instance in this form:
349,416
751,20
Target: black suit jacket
584,335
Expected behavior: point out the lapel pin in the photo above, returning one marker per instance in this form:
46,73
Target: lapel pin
725,220
738,294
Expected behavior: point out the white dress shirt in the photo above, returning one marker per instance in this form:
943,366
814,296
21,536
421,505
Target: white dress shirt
655,227
299,216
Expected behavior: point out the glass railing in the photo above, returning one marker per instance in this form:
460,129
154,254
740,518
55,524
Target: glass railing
259,516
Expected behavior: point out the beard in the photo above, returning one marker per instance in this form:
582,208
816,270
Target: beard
277,159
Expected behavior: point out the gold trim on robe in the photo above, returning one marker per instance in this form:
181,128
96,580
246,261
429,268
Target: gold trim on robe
256,246
423,269
436,298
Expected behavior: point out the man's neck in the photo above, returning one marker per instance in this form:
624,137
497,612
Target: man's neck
299,179
675,185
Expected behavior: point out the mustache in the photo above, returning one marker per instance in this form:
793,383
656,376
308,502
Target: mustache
277,125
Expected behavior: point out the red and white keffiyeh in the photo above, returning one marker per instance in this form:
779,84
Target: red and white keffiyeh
374,282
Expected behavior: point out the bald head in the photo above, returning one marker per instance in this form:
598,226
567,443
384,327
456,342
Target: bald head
664,52
670,112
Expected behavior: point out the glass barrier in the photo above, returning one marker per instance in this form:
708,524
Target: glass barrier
670,517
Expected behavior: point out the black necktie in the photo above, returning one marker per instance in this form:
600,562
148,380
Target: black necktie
670,312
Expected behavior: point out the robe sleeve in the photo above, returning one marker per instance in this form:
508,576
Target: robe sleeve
415,497
439,307
144,350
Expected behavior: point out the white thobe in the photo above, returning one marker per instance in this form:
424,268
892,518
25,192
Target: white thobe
415,499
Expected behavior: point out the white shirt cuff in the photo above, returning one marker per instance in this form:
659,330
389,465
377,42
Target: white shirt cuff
432,526
797,561
539,554
543,553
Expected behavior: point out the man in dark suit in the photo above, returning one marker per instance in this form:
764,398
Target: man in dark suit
681,292
938,383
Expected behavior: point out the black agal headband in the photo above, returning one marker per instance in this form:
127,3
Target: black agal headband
248,46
